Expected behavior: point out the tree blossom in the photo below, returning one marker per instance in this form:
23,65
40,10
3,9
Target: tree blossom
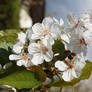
41,51
86,17
71,69
20,43
74,24
78,42
22,59
49,28
29,33
25,20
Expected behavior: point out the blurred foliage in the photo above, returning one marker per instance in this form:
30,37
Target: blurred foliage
7,39
9,14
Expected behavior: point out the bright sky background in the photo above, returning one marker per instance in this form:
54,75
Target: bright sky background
60,8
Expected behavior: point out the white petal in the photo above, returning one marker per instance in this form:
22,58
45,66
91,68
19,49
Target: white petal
25,20
61,65
74,73
36,36
37,59
20,62
65,38
29,33
18,47
48,56
28,64
55,30
33,48
61,22
75,46
72,19
14,57
22,37
78,67
67,75
88,37
47,22
37,28
47,41
56,21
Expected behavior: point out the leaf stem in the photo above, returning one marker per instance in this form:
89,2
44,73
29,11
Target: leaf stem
60,90
59,77
72,89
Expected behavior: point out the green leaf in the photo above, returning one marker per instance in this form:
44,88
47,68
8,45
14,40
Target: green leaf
41,75
19,78
7,39
58,47
86,72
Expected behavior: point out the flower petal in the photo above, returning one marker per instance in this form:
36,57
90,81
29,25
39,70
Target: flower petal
14,57
48,56
18,47
47,22
35,36
74,73
78,67
22,37
20,62
37,28
29,33
61,65
37,59
55,30
61,22
71,19
33,48
67,75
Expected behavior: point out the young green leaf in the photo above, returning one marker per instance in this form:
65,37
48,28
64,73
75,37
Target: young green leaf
58,47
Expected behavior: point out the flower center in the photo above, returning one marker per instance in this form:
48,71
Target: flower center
25,57
76,23
46,32
71,66
82,41
43,50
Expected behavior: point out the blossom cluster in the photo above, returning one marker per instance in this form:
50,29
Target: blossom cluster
35,46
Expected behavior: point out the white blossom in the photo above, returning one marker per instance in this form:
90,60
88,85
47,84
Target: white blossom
20,43
22,59
86,17
71,69
78,43
25,19
74,24
29,33
72,20
41,51
49,28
